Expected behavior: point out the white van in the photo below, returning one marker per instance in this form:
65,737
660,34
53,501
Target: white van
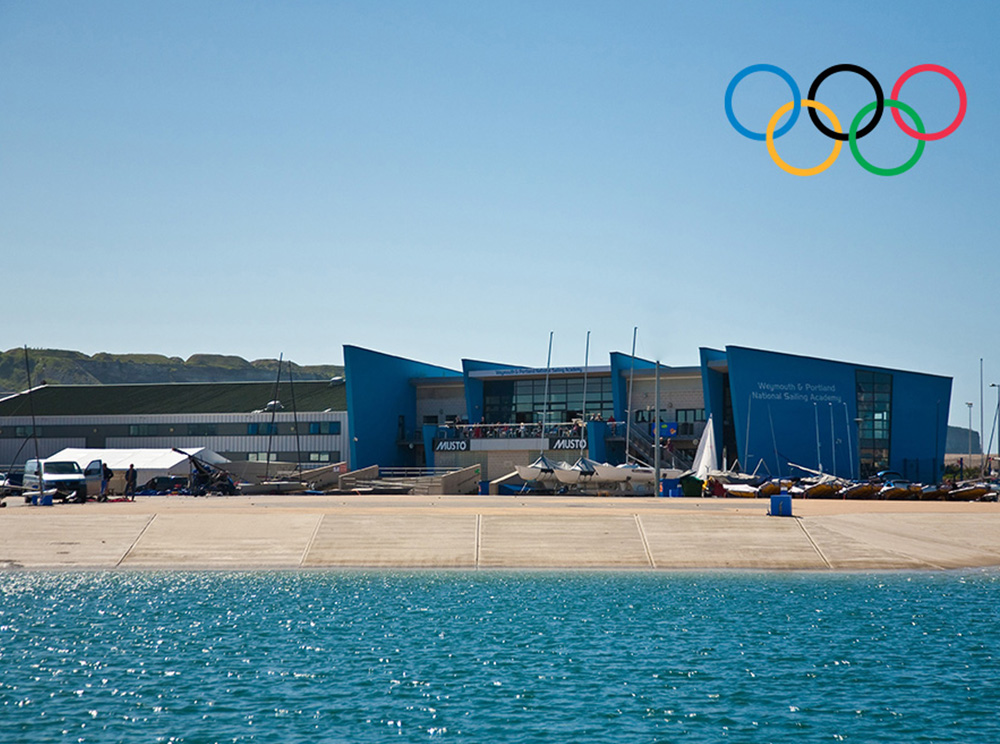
65,476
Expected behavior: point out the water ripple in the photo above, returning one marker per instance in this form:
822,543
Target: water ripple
306,657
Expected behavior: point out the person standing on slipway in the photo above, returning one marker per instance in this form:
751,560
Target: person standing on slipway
130,483
106,475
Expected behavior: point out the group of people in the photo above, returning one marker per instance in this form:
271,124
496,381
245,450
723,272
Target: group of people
130,481
511,431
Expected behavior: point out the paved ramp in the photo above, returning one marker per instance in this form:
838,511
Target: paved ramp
907,541
540,541
397,540
726,541
43,538
489,532
223,540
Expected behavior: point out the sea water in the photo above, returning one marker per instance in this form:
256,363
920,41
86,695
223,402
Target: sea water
499,657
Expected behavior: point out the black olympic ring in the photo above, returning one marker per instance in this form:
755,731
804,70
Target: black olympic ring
879,101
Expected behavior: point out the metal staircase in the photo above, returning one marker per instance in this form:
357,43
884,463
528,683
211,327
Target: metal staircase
641,449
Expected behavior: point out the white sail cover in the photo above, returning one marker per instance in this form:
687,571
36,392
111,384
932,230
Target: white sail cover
706,459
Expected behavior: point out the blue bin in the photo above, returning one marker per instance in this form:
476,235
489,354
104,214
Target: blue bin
668,486
781,505
46,499
484,488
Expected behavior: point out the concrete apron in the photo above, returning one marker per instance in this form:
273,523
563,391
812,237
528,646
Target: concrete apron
467,533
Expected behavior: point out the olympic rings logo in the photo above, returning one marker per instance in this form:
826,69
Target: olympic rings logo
854,133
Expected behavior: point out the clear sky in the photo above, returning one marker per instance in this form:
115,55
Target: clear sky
448,179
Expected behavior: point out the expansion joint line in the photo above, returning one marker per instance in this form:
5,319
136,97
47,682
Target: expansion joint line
479,532
136,541
812,542
645,542
312,539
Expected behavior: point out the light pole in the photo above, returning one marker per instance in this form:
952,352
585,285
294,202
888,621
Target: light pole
970,433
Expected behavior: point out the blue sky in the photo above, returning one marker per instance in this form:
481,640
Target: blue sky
449,179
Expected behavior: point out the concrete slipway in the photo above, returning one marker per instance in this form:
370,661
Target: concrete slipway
497,532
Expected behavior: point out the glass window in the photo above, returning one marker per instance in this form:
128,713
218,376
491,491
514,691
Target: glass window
874,401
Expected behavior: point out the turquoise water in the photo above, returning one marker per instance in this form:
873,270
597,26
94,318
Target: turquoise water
481,657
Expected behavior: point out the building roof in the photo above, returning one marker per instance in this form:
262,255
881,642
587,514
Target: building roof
175,397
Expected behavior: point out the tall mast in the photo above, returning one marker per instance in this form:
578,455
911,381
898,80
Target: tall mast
583,412
31,406
628,412
833,440
656,432
819,456
274,408
545,413
295,419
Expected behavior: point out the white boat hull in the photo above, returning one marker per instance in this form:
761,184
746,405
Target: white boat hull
609,474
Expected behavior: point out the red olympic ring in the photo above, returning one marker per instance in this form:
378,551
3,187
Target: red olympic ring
961,102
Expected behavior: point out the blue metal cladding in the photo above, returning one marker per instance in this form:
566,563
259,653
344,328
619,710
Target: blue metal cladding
792,409
597,446
621,370
378,393
919,425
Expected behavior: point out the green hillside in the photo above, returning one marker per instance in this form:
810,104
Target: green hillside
56,366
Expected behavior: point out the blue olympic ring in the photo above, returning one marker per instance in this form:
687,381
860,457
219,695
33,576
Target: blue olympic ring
796,99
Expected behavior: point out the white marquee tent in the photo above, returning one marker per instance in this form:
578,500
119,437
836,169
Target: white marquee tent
149,463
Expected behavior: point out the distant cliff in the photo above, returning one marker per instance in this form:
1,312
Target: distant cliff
68,367
958,441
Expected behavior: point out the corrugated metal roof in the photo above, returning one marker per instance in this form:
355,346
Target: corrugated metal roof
176,397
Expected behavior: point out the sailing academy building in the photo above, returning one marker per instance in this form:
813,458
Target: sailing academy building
778,411
771,412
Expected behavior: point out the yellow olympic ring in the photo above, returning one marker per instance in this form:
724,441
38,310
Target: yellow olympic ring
837,144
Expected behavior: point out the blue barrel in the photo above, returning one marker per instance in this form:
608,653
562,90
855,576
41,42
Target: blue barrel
484,488
781,505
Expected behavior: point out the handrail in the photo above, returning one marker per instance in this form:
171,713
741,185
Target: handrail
511,430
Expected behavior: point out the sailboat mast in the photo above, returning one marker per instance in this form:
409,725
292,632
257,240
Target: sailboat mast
295,419
31,406
628,412
656,431
746,442
274,408
833,440
583,407
545,413
850,446
819,456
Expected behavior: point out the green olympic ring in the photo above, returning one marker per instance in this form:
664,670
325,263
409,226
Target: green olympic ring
853,138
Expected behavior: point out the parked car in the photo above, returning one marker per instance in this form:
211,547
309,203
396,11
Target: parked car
63,476
5,488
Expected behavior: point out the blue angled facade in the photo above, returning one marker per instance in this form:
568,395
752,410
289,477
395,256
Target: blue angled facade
776,411
772,412
382,404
